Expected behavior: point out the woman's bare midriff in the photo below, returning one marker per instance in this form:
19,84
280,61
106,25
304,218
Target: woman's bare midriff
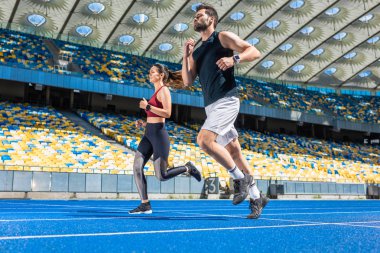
155,120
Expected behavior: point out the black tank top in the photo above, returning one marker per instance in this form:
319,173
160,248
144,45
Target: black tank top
215,83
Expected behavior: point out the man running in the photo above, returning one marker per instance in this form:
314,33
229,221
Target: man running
213,62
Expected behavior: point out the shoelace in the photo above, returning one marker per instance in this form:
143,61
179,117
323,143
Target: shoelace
139,208
254,205
136,209
237,186
251,203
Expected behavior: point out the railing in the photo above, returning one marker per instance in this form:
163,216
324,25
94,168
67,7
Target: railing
11,167
29,168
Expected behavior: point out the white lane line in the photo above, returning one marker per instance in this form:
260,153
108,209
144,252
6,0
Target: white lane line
192,215
98,218
117,210
152,232
121,211
198,215
118,207
242,209
67,206
169,231
323,213
322,223
123,206
360,226
347,223
199,208
36,212
162,209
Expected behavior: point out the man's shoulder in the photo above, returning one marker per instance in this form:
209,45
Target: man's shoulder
225,34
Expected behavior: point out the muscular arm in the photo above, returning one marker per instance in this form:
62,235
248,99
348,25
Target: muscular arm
246,52
188,65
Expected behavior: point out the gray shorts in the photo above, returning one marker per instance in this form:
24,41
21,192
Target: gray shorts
221,116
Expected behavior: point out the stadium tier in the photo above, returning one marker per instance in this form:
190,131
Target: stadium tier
182,140
42,139
23,50
352,108
273,156
29,51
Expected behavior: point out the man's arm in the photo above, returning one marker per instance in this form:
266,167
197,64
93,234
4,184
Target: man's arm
188,65
247,53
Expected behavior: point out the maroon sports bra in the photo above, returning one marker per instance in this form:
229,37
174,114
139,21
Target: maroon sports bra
153,101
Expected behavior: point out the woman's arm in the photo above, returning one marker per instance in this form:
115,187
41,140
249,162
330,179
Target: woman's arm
166,100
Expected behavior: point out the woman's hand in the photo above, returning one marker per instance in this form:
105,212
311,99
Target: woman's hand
143,103
140,123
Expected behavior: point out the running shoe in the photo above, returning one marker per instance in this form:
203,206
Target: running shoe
241,189
143,208
193,171
257,206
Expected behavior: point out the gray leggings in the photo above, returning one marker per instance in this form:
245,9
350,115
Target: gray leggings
155,142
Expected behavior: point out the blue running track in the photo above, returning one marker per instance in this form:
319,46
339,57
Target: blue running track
188,226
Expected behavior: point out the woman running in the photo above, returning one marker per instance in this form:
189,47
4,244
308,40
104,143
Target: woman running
156,140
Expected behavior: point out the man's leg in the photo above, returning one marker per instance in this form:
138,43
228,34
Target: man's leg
235,151
206,140
257,201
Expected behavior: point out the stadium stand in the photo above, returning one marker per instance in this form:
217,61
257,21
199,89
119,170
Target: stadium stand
101,64
23,50
273,156
42,139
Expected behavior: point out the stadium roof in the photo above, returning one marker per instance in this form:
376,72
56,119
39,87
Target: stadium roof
323,42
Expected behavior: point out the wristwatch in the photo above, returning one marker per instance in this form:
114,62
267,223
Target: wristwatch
236,58
147,108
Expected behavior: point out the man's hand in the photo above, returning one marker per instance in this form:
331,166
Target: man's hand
188,48
225,63
143,103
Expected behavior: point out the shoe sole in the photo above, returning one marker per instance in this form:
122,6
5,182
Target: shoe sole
146,212
253,218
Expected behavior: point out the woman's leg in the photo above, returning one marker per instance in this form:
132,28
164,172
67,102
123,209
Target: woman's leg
161,145
143,153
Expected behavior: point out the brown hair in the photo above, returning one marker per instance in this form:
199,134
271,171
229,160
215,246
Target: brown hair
209,11
171,78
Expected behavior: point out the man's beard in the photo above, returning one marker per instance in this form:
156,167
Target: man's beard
200,27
